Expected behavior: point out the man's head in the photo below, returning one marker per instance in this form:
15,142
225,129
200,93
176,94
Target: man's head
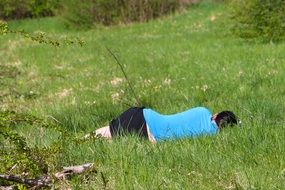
226,118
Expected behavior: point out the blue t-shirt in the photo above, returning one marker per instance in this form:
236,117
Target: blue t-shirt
190,123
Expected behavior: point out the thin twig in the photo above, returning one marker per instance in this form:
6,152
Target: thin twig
105,181
125,75
54,118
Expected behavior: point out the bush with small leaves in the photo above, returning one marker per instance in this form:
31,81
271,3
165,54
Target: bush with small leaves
15,9
3,27
85,13
263,19
14,150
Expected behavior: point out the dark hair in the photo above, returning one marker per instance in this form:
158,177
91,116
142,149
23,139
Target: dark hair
225,118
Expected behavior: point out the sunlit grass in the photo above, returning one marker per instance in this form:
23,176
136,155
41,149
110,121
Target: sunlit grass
174,63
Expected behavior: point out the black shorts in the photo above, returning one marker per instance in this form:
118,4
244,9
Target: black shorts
129,122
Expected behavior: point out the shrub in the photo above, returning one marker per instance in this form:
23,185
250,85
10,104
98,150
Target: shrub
77,13
15,9
259,18
45,7
86,12
18,9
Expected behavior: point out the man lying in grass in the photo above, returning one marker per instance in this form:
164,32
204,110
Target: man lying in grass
155,127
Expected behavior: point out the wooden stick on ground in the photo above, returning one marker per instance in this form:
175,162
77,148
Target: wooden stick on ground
43,181
11,187
46,180
67,171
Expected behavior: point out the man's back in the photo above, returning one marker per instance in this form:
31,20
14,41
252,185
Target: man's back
192,122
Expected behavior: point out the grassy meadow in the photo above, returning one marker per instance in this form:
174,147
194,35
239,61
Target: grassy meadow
173,63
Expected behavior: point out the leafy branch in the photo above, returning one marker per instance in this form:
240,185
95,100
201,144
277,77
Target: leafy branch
39,37
17,154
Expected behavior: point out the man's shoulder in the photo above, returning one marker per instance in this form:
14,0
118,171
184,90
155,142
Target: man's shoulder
201,109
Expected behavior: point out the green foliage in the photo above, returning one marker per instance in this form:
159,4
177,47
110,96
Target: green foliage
183,61
87,12
15,152
40,37
78,13
259,18
31,161
45,7
14,9
21,187
3,28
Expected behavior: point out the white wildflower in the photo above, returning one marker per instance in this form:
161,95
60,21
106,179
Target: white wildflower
167,81
204,88
116,81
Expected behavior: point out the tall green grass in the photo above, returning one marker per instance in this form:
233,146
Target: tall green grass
174,63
